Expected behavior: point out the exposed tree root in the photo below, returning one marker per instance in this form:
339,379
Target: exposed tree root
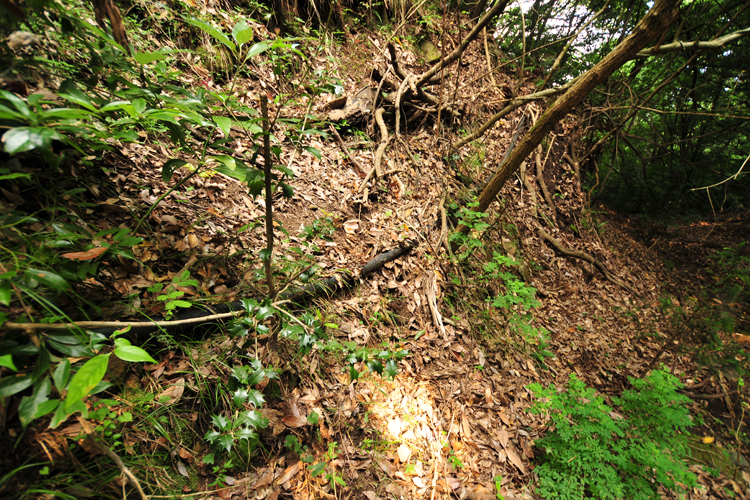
584,256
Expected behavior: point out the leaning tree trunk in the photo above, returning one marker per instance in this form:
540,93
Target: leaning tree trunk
651,26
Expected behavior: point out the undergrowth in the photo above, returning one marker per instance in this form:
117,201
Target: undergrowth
596,451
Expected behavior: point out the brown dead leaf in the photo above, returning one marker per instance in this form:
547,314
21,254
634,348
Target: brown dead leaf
264,480
288,473
503,437
87,255
294,421
516,460
173,393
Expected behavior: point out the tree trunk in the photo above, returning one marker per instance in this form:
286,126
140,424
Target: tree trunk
650,27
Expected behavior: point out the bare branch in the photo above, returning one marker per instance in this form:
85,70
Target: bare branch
694,45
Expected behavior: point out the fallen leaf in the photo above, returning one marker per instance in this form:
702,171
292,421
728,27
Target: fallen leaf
87,255
404,452
173,393
516,460
288,473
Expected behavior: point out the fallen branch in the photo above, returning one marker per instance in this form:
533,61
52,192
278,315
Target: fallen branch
198,317
584,256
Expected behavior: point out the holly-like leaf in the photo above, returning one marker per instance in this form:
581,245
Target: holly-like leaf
264,312
256,398
240,396
391,368
248,434
219,421
254,419
225,442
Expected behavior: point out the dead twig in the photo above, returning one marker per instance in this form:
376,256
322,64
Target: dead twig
343,147
91,440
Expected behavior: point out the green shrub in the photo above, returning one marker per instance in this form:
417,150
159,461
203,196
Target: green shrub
594,452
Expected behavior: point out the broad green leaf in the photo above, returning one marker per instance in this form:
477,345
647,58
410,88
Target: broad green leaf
239,171
221,37
7,113
139,105
61,375
65,114
242,32
130,241
6,360
69,91
17,103
52,280
133,354
256,49
118,105
226,160
86,378
14,384
317,469
312,418
5,291
29,404
101,34
224,123
42,364
59,417
7,177
46,407
313,151
169,167
20,139
148,57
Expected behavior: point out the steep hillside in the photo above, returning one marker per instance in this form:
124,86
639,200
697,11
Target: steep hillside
541,287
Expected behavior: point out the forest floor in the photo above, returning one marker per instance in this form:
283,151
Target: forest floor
455,416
